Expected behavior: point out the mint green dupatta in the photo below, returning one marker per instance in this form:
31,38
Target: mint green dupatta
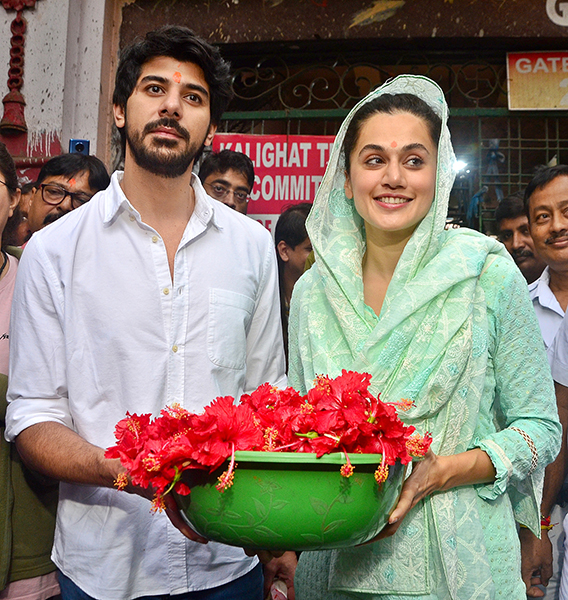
430,344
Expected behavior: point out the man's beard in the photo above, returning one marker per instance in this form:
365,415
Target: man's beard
164,164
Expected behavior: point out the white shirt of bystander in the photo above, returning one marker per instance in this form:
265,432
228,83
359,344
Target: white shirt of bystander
559,368
100,328
548,310
559,354
550,315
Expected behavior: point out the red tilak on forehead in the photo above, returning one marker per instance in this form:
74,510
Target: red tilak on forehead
394,144
177,77
72,181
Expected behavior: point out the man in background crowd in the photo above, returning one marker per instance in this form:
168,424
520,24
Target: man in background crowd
228,176
513,230
559,368
546,205
547,209
64,183
293,247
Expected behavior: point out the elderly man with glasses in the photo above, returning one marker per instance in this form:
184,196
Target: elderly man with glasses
64,183
228,176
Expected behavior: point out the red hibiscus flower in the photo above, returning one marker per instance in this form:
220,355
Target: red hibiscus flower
336,415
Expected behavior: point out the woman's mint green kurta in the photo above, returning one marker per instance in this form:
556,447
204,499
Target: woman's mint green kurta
457,335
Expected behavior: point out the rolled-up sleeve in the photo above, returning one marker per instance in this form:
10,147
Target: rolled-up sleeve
525,404
37,389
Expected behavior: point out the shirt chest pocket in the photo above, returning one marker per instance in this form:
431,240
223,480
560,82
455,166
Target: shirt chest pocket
230,315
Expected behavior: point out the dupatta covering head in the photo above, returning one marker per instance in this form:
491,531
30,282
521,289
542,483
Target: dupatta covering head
333,212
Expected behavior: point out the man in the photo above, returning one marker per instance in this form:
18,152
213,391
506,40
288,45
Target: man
64,183
559,368
546,204
149,296
228,176
513,231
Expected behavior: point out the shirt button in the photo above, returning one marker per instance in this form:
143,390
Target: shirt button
166,291
175,348
132,218
154,238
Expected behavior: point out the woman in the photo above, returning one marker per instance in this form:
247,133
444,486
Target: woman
440,317
27,505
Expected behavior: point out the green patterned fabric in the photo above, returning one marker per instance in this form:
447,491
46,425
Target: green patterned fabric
457,335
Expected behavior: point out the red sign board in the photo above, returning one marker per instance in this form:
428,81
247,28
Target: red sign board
288,169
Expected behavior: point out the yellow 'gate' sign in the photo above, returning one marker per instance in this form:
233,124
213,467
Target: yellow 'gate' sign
537,80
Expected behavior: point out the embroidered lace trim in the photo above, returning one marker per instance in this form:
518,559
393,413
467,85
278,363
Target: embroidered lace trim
532,447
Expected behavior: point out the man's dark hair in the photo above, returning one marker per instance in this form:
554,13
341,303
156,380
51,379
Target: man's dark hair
28,187
221,162
69,165
183,45
291,224
511,207
543,176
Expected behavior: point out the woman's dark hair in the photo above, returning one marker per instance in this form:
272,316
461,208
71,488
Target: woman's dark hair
390,104
10,233
8,169
10,178
183,45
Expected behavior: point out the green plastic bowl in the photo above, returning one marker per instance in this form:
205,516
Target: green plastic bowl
292,501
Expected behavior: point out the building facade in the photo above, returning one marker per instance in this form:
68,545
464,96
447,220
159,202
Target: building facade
299,66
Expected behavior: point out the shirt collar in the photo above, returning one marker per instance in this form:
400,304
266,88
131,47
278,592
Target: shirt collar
540,291
116,202
205,207
542,285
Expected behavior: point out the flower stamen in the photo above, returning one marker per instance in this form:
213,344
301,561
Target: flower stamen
227,478
121,481
346,469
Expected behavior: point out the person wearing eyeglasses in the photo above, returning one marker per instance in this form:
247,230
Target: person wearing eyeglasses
228,176
64,183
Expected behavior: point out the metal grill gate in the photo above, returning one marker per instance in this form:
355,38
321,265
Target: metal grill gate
275,95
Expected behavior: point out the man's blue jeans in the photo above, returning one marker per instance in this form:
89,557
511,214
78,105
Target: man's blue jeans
247,587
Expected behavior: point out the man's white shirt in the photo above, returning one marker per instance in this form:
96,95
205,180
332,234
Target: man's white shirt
550,318
100,329
548,310
559,364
